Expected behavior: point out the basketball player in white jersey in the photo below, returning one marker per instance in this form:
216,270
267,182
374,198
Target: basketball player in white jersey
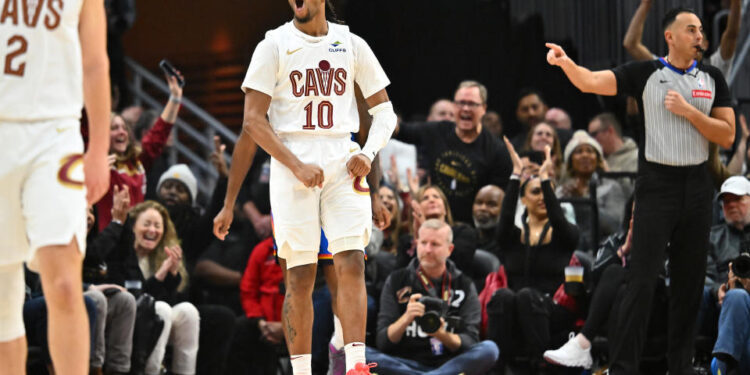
302,74
53,58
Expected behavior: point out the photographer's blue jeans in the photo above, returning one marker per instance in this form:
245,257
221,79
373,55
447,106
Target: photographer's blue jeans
734,328
477,360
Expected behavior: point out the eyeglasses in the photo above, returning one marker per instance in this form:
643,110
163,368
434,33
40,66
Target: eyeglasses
461,103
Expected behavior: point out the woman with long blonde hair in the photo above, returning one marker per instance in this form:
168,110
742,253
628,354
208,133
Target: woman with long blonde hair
158,256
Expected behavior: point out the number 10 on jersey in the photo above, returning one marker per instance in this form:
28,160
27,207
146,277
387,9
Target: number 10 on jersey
325,115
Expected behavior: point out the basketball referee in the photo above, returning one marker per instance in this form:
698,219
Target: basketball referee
685,106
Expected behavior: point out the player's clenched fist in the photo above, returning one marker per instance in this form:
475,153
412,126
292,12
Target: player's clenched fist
222,221
358,166
310,175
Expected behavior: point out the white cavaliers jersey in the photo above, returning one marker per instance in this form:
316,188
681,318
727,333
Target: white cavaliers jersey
40,60
311,79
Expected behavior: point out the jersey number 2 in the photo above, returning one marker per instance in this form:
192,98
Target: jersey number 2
324,106
21,47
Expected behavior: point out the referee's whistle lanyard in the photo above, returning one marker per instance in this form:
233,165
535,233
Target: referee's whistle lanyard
430,287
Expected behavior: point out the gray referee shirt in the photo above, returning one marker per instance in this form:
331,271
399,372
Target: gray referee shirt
667,138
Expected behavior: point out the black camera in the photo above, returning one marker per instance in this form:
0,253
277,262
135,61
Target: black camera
741,266
434,309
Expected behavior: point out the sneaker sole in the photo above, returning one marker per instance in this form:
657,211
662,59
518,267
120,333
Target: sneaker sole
552,361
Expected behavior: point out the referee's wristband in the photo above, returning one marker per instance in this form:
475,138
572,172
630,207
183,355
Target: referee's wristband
515,176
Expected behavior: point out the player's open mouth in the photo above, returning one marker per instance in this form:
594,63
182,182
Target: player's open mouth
299,3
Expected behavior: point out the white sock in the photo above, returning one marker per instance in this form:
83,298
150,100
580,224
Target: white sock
338,334
355,353
301,364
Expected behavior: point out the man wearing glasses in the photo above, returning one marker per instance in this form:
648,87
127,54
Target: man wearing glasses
460,157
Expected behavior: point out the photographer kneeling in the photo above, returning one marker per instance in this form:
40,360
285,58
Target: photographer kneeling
429,314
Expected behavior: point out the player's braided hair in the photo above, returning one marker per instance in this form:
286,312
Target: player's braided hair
331,13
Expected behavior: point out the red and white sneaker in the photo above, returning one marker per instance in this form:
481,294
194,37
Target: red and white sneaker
362,369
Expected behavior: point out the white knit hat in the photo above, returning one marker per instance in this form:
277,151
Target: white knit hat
580,137
182,173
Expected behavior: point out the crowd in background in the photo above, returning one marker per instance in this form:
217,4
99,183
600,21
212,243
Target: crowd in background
163,293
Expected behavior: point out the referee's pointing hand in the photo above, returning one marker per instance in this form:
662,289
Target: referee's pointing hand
556,54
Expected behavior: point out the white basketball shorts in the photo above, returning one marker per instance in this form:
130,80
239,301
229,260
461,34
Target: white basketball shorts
42,195
342,207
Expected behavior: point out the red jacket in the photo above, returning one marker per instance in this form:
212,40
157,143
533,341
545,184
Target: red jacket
133,173
259,288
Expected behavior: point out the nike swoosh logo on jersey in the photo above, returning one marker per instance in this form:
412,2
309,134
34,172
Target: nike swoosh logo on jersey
288,52
353,149
663,81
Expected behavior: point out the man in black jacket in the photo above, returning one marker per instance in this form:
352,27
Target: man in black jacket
451,348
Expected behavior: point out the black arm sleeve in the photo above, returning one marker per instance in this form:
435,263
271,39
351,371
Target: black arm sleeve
507,230
564,230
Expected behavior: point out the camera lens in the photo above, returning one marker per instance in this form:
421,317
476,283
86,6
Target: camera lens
429,322
741,266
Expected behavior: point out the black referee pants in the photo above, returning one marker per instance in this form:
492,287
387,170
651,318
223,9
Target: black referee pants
672,205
